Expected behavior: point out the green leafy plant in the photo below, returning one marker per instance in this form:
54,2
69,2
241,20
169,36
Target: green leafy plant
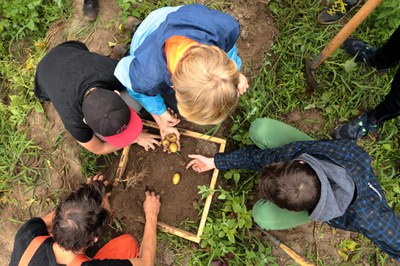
21,18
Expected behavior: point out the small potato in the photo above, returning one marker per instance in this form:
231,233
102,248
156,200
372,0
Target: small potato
171,137
173,147
165,143
176,178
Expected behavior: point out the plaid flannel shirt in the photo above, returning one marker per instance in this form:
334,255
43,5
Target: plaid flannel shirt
369,214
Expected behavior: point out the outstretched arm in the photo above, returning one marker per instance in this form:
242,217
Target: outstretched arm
97,146
250,158
148,248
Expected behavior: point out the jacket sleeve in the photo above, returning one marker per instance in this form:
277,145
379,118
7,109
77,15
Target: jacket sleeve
233,55
253,158
153,104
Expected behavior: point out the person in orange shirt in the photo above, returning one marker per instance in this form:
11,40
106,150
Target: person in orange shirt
63,236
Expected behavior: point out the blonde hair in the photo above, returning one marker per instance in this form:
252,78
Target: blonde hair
206,81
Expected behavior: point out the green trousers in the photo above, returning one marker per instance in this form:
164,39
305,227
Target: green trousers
269,133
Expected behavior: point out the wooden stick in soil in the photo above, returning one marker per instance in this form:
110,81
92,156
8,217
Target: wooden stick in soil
122,165
288,250
209,198
188,133
173,230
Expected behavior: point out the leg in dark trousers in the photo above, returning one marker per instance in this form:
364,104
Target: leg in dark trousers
388,55
385,57
390,107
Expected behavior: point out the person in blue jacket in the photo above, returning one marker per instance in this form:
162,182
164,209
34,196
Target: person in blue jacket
184,57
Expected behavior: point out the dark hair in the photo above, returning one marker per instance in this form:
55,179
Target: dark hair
80,217
290,185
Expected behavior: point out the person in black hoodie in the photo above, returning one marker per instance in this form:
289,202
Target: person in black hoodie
308,180
93,105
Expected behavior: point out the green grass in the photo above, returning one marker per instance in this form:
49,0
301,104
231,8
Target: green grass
345,90
21,160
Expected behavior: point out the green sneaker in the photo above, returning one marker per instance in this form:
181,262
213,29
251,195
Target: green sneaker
336,11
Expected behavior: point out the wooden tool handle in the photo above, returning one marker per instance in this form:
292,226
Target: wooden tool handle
345,32
293,254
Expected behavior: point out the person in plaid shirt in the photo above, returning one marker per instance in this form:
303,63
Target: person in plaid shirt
312,180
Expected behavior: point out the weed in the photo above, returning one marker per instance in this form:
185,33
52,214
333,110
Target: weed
89,161
21,18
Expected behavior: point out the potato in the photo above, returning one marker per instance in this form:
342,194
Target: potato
165,143
176,178
171,137
173,147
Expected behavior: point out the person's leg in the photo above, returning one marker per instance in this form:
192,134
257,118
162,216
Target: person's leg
389,54
270,217
381,58
270,133
122,247
390,107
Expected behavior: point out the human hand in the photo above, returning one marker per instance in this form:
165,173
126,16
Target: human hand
106,197
200,163
164,131
169,118
151,205
243,84
147,140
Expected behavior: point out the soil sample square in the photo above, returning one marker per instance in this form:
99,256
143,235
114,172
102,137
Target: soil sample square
153,170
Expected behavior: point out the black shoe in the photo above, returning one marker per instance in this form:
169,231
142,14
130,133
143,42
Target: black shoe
362,51
91,9
356,129
336,11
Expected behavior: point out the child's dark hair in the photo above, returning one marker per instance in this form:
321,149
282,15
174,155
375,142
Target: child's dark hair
80,217
290,185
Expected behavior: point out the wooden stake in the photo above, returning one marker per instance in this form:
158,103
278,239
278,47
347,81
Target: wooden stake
173,230
188,133
122,164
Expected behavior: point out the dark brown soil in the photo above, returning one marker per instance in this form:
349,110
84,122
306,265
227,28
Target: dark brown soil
153,170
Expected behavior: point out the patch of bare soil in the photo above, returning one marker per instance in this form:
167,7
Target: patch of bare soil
313,239
153,170
308,121
257,34
99,36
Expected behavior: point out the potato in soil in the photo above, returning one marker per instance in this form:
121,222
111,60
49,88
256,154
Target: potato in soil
176,178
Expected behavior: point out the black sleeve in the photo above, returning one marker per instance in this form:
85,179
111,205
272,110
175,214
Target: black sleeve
107,263
31,229
82,133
